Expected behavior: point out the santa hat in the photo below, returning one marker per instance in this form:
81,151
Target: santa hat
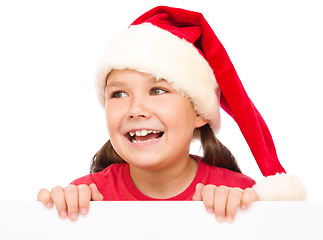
179,46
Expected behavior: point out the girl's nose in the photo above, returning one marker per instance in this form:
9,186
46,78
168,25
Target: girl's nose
139,109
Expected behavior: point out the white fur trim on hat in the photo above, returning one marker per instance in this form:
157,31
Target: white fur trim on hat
281,187
149,49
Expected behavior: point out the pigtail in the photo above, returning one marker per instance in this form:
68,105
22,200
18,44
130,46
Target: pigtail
215,153
104,158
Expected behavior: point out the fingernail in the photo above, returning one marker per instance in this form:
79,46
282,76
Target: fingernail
73,216
243,207
49,205
229,218
220,218
210,210
63,214
83,211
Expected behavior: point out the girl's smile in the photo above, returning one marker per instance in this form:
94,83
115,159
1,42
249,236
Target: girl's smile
144,136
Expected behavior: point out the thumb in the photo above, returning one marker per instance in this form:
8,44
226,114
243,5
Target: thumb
198,192
95,194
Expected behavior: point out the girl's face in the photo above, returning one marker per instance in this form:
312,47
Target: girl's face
150,124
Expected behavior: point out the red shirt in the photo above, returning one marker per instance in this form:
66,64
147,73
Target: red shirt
115,183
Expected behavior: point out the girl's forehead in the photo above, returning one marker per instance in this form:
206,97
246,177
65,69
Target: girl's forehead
122,77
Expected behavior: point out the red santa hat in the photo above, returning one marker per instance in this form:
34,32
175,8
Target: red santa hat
181,47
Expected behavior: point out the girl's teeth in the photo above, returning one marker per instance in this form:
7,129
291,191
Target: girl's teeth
149,140
142,132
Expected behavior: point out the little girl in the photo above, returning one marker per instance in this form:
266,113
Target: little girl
160,83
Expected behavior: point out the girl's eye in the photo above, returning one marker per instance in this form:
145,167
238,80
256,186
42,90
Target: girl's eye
157,91
119,94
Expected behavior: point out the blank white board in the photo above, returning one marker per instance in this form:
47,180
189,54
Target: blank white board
162,220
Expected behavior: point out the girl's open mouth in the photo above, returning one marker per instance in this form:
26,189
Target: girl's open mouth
142,136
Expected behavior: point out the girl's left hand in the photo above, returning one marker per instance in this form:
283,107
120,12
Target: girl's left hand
224,201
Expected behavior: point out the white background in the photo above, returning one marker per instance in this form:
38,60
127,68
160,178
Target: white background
51,124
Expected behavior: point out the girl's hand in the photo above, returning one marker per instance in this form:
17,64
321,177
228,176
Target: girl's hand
70,201
224,201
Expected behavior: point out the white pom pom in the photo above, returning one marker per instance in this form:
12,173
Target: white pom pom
281,187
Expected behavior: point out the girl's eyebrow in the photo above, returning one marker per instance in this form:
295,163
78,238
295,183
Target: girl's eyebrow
115,84
158,80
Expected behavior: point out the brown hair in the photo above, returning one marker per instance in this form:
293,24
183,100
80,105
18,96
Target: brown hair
215,153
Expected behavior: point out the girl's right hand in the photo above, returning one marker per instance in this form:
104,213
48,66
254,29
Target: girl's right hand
71,200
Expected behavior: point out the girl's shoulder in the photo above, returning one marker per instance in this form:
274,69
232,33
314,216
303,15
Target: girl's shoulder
221,176
113,171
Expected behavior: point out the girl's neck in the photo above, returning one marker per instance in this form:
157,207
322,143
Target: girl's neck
165,183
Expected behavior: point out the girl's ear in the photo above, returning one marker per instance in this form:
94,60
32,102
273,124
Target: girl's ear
200,121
